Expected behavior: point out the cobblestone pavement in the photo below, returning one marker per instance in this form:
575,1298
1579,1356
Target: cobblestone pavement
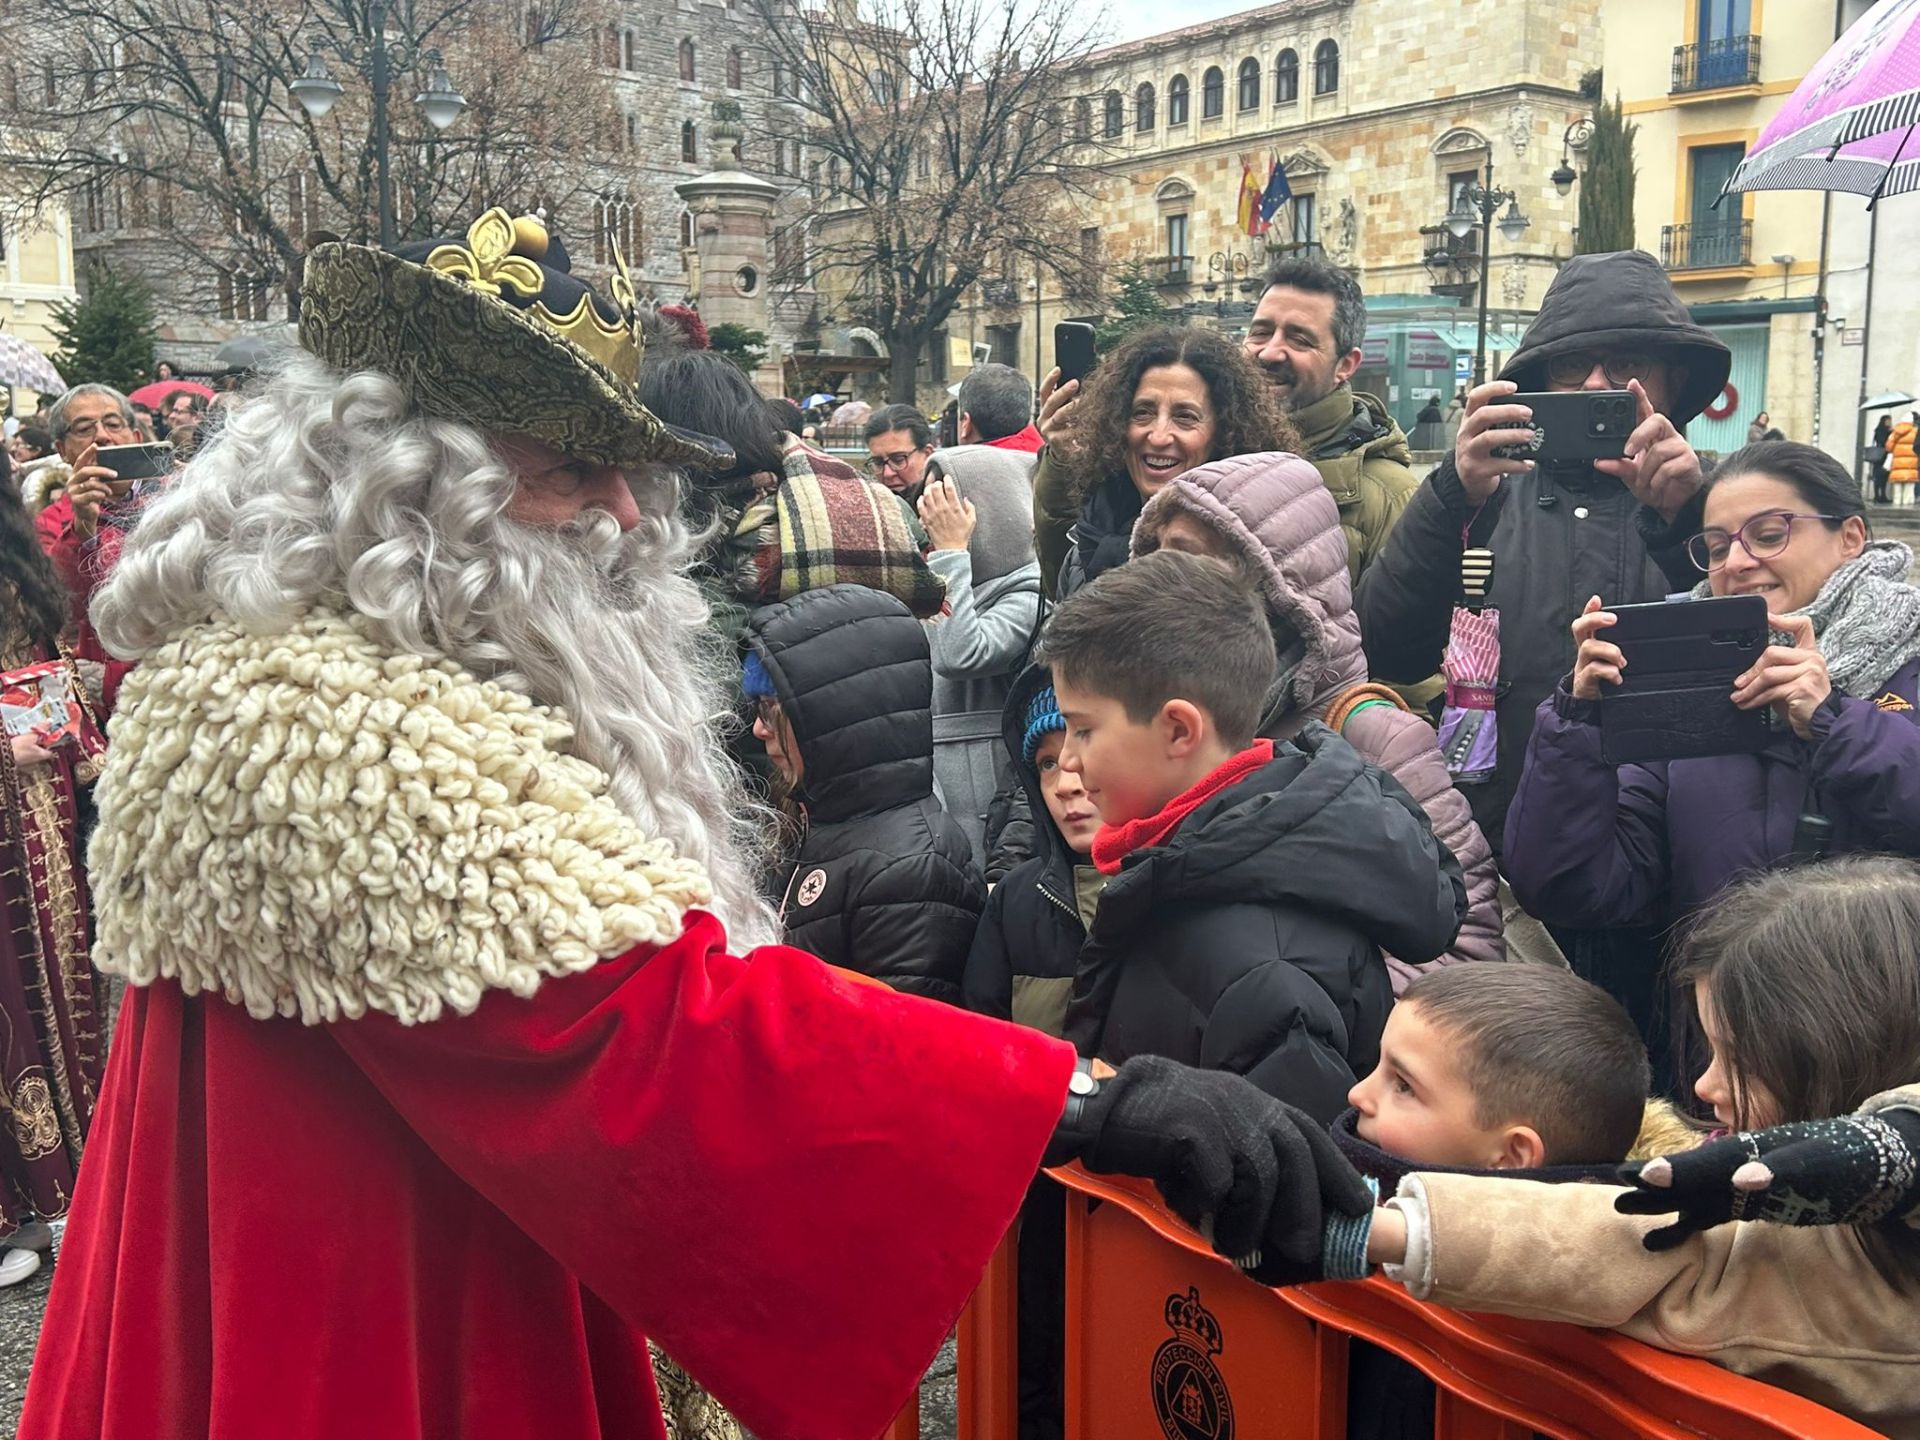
20,1311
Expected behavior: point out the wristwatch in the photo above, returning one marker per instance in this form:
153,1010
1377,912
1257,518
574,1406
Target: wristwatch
1082,1086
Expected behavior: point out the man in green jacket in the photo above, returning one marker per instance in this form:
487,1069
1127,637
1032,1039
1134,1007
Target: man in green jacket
1306,337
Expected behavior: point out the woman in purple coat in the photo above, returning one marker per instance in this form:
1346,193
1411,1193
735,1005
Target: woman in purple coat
1592,845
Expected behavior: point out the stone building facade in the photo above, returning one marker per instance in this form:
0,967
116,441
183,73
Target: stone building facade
665,62
1379,111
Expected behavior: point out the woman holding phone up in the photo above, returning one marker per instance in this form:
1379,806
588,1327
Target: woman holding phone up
1592,845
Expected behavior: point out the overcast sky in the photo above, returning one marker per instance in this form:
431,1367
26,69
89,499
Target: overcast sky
1133,19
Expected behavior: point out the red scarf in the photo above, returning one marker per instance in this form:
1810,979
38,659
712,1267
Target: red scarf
1027,441
1114,843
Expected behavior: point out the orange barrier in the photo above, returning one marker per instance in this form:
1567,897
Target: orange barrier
1166,1341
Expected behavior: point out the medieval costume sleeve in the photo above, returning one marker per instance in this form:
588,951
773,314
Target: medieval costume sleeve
790,1180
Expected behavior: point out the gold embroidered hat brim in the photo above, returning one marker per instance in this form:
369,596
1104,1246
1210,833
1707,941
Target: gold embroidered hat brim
465,355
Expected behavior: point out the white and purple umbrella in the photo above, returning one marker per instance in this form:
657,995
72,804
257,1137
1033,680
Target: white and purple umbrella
1851,124
26,368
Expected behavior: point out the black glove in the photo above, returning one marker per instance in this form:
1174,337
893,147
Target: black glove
1853,1170
1219,1148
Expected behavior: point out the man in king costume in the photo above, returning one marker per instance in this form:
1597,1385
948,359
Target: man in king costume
445,1076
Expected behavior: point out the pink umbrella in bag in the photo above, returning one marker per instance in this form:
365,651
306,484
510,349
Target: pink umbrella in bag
1849,124
1469,737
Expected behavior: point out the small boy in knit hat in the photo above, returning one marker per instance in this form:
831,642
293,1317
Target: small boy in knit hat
1024,953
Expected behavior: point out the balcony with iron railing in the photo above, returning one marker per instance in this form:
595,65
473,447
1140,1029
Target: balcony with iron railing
1722,64
1722,245
1171,269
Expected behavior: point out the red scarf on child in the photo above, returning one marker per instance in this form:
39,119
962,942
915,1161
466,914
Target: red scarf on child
1114,843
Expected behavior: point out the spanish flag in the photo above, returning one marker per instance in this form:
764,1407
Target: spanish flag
1250,221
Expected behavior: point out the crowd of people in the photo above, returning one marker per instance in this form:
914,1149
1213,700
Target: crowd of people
494,713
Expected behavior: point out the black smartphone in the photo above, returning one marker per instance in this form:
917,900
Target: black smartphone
1575,425
137,462
1675,699
1073,349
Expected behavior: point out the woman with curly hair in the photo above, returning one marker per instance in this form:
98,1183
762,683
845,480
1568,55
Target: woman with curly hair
1167,399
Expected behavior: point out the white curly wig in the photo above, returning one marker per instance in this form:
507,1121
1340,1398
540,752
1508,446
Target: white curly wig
331,490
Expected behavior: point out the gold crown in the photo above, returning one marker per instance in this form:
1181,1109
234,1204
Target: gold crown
503,253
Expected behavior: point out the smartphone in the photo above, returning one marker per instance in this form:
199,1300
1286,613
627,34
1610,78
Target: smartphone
1575,425
1073,349
1675,699
137,462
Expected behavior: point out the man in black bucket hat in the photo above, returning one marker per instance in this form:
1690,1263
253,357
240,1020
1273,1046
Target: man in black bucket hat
1617,529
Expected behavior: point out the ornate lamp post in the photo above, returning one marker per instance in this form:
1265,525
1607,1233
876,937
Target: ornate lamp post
379,60
1473,209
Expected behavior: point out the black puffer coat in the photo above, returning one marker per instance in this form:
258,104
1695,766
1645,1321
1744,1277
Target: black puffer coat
1557,535
1250,941
1028,944
884,882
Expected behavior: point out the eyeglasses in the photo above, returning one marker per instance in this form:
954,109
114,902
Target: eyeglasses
880,464
111,424
1762,537
1619,368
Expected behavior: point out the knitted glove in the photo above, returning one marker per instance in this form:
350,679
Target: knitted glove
1220,1150
1853,1170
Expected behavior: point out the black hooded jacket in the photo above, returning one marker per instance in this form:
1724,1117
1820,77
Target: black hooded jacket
1250,940
1028,944
884,882
1558,536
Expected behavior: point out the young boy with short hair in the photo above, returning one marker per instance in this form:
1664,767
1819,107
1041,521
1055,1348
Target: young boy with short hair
1500,1067
1250,885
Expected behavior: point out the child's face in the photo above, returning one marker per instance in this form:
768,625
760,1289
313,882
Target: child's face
1416,1104
1073,814
1130,770
1753,1108
771,729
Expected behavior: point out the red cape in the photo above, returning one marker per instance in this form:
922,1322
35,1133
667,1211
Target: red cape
790,1180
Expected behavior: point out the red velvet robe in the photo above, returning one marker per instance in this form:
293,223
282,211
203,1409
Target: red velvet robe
369,1231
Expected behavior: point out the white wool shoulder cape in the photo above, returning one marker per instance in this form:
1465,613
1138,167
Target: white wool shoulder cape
315,827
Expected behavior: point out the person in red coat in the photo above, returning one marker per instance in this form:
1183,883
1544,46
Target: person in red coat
82,529
456,1060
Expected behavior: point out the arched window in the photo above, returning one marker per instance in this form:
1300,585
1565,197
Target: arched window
617,223
1249,84
1082,120
633,132
1142,108
1116,115
1286,78
1213,93
1326,68
686,229
1177,100
628,60
882,86
686,60
779,80
733,69
689,141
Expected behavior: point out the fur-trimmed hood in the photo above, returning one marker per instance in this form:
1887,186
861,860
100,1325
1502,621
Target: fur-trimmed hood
1273,511
315,827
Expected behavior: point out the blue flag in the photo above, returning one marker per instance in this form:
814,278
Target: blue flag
1277,193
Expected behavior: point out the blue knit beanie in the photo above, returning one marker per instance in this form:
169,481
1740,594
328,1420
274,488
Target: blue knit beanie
1043,717
755,683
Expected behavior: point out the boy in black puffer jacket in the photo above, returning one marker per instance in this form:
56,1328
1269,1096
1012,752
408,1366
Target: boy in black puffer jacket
883,882
1028,944
1251,885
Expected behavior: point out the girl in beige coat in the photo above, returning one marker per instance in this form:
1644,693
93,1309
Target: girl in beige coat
1808,988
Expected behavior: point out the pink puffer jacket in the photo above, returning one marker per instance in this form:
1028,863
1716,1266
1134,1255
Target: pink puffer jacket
1273,512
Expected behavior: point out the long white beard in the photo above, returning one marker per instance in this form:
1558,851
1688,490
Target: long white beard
590,620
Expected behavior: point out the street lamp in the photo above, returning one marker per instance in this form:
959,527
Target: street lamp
1575,138
379,61
1473,209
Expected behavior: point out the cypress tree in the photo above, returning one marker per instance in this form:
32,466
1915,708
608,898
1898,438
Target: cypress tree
1606,190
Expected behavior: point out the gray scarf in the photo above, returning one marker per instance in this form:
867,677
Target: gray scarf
1866,618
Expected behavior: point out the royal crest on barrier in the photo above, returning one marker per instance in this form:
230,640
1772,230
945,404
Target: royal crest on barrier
1188,1394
